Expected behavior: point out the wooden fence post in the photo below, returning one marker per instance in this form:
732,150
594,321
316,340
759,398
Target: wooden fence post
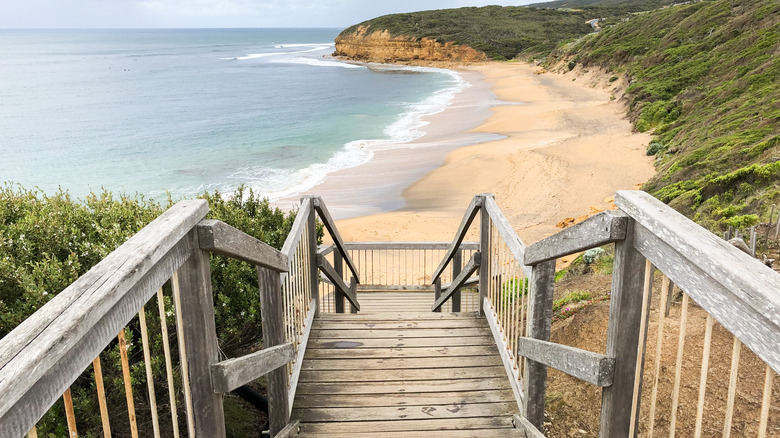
484,249
338,265
539,326
623,336
273,335
200,337
437,292
457,265
314,272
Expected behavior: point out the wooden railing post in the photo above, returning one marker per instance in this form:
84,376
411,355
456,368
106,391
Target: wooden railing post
200,337
457,265
437,292
623,336
539,324
314,273
273,334
338,265
484,249
353,288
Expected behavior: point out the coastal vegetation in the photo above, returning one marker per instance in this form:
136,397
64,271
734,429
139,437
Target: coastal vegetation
48,241
704,79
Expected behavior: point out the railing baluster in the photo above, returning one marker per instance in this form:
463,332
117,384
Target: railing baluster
735,355
766,401
705,362
128,384
168,362
678,365
101,393
69,414
149,375
659,340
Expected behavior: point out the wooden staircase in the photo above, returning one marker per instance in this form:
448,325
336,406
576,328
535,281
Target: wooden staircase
403,374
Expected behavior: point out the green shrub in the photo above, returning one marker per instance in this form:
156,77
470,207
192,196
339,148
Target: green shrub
613,79
48,241
654,147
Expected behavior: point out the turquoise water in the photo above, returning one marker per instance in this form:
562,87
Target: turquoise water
185,111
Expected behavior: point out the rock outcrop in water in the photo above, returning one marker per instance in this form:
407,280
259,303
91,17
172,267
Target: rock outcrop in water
380,46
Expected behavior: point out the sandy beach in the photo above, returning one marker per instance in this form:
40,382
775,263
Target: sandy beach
554,146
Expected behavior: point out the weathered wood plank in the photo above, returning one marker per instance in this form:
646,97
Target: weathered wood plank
395,287
232,373
469,269
526,426
425,412
468,218
337,281
400,324
428,374
401,245
414,399
330,225
400,352
409,425
623,334
539,327
345,334
273,335
401,363
508,234
397,316
403,387
291,429
591,367
43,355
481,433
399,342
220,238
298,227
605,227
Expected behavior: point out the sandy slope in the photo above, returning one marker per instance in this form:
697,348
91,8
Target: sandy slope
567,148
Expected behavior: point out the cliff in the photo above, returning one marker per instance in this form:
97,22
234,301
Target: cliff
380,46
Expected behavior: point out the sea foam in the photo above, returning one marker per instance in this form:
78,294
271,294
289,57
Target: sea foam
282,183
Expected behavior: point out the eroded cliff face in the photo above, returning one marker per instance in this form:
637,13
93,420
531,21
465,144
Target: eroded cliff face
380,46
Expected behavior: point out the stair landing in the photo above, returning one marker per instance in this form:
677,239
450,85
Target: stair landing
403,374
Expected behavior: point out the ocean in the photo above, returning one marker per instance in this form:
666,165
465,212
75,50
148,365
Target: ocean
180,112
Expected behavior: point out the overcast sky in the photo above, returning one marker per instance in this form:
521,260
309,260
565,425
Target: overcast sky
211,13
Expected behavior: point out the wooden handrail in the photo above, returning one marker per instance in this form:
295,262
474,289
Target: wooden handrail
220,238
298,227
229,374
465,223
590,367
330,225
459,281
50,349
605,227
508,234
336,280
736,289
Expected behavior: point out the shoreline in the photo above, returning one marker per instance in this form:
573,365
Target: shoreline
562,145
377,186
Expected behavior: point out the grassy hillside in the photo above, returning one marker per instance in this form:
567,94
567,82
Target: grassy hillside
603,8
501,32
705,79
